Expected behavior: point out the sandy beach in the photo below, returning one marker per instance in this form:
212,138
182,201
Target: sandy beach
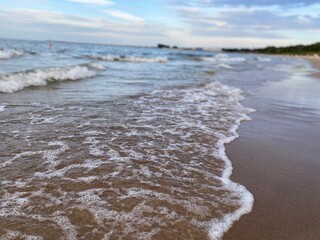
277,159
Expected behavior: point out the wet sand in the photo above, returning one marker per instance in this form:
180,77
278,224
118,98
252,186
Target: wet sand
277,158
316,64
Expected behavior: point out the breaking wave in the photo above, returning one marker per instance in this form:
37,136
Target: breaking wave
222,58
14,82
263,59
114,58
96,66
10,53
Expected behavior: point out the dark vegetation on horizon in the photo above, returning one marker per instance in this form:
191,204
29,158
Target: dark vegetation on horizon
292,50
160,45
164,46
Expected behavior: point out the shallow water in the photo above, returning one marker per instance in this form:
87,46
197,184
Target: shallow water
106,142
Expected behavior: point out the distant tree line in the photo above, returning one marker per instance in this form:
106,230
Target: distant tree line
160,45
292,50
164,46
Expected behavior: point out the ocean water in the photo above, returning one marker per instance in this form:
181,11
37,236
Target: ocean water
110,142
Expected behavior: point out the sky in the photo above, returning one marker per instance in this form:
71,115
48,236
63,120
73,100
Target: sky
194,23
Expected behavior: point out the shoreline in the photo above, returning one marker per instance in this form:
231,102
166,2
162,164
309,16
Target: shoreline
276,158
315,62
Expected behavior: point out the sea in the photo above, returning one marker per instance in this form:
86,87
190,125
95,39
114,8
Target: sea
121,142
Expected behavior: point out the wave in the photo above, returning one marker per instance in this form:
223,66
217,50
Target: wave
263,59
115,58
219,226
31,52
160,165
218,103
2,108
222,58
10,53
96,66
225,66
14,82
190,55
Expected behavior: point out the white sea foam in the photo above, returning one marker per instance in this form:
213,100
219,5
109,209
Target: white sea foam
67,227
52,173
114,58
93,146
17,235
163,164
9,53
11,160
220,225
78,108
38,119
225,66
2,108
97,66
223,58
41,77
263,59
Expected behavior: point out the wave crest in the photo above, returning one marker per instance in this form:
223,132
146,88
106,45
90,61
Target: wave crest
10,53
41,77
222,58
115,58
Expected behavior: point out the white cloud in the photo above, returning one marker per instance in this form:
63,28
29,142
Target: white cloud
201,29
35,16
94,2
49,21
187,38
124,15
303,19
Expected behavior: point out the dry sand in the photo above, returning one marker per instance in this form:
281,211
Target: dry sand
277,157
